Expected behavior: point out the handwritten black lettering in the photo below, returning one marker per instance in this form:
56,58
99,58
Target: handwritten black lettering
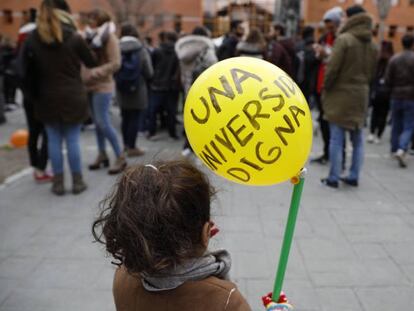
236,132
288,82
295,110
239,174
282,88
217,149
251,164
205,119
225,141
277,150
209,158
289,130
228,92
244,76
256,114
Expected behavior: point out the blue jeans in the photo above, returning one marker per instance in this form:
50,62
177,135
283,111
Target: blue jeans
101,103
402,123
58,132
336,145
167,100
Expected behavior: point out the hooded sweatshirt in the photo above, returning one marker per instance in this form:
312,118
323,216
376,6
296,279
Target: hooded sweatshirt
139,99
188,49
349,74
166,68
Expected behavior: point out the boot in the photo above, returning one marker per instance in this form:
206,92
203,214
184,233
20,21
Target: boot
78,183
119,165
58,187
101,160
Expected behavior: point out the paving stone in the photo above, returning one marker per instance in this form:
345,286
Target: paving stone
338,299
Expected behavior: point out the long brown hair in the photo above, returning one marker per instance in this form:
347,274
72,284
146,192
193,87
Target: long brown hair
48,21
154,218
255,36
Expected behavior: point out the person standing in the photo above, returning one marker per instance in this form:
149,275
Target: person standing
37,144
195,52
323,50
380,95
400,78
131,86
100,82
52,55
165,85
227,48
346,93
253,46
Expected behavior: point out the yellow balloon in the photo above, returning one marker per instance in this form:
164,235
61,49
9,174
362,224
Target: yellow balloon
248,121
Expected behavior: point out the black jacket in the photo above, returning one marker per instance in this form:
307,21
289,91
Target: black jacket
400,75
166,68
51,77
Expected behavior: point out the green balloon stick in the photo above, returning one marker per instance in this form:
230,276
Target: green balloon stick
288,237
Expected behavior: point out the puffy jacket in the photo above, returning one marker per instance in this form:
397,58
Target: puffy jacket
349,73
166,68
137,100
400,75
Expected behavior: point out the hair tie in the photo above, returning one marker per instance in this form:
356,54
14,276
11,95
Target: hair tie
151,166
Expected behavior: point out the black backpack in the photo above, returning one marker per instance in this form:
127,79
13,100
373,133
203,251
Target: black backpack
127,78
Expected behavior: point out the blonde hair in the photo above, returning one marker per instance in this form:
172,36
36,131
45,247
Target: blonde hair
48,24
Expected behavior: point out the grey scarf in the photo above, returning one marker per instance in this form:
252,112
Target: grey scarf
211,264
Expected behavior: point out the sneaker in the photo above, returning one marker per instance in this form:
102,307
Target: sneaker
370,138
377,140
42,177
186,152
320,160
328,183
349,182
400,156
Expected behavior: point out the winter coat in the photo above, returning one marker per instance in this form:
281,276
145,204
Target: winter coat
227,48
166,68
349,73
400,75
51,76
210,294
310,67
100,79
137,100
250,49
277,55
189,49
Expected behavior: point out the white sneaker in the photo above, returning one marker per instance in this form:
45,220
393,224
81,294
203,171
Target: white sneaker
186,152
400,156
370,138
377,140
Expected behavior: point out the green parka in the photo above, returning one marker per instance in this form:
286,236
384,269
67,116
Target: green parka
349,73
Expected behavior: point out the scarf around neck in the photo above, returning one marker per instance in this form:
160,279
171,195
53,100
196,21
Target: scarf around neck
215,263
99,36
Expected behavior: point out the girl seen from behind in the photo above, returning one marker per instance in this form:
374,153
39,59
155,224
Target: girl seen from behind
157,226
51,62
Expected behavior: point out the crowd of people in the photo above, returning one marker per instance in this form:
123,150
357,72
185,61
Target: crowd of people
71,76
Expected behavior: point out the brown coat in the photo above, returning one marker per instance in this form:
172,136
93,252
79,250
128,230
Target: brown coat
349,73
100,79
211,294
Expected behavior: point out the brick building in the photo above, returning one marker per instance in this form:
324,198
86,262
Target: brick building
400,19
152,16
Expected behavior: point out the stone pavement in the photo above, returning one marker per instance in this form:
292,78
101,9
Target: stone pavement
353,248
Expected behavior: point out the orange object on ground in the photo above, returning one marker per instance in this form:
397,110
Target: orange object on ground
19,138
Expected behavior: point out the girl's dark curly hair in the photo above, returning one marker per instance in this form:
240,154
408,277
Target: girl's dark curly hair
154,218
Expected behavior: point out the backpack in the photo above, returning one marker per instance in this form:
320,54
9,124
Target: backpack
200,64
127,78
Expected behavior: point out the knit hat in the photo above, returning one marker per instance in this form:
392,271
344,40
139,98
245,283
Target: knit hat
355,9
334,15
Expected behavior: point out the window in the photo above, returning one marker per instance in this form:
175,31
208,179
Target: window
177,23
392,30
8,16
